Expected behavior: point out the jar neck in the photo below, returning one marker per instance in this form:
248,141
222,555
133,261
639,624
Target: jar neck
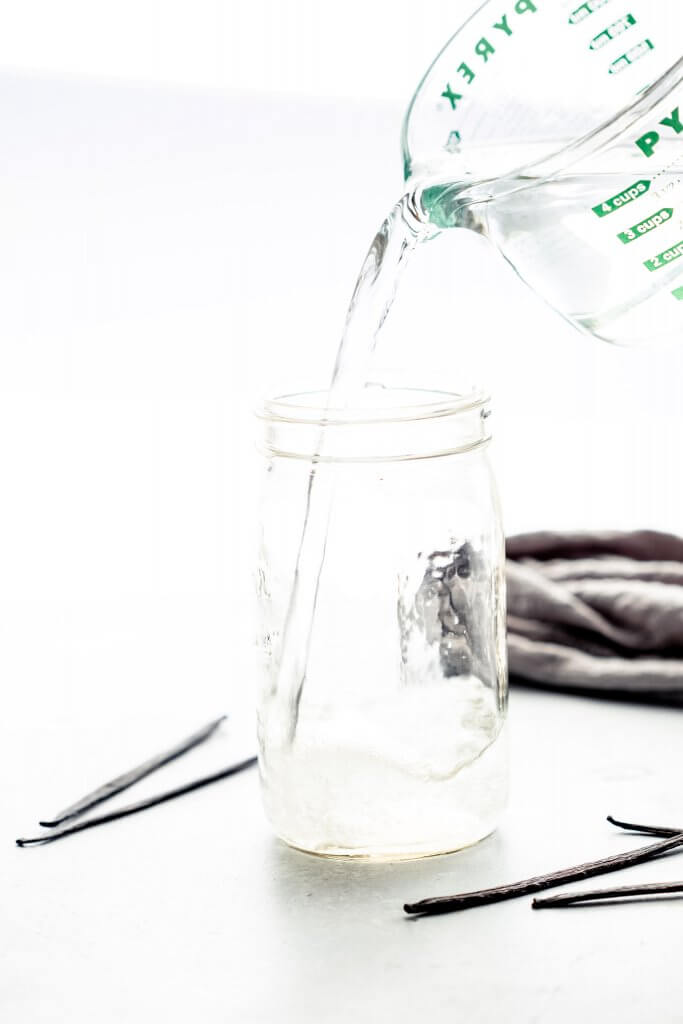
391,425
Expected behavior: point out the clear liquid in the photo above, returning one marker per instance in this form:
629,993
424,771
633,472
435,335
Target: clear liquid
599,243
422,773
420,769
551,235
589,269
372,297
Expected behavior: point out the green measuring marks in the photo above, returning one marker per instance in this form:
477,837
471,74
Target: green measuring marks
643,227
631,56
614,203
585,10
674,252
612,31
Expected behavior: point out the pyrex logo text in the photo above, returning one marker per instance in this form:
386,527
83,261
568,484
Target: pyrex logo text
485,49
647,142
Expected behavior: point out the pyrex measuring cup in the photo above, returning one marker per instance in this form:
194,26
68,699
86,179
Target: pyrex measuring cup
555,128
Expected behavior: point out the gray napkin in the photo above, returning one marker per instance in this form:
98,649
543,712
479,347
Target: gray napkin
599,612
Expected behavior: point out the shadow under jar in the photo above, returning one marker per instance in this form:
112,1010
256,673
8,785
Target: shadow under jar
395,744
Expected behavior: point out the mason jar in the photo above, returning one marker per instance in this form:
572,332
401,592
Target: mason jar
383,686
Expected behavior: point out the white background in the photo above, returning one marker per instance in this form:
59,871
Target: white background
186,192
355,49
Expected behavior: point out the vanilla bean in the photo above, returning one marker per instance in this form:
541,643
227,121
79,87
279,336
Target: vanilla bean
141,805
126,780
647,830
461,901
571,899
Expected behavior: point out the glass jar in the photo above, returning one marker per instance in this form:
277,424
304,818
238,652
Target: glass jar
399,744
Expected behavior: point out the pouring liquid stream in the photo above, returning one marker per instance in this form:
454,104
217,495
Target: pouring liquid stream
371,301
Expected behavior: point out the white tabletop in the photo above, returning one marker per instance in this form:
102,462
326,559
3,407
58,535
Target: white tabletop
193,911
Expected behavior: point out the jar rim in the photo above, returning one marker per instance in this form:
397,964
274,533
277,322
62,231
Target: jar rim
310,408
384,424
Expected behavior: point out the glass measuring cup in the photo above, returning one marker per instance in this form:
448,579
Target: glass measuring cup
555,128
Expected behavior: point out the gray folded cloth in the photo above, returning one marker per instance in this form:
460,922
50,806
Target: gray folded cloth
599,613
